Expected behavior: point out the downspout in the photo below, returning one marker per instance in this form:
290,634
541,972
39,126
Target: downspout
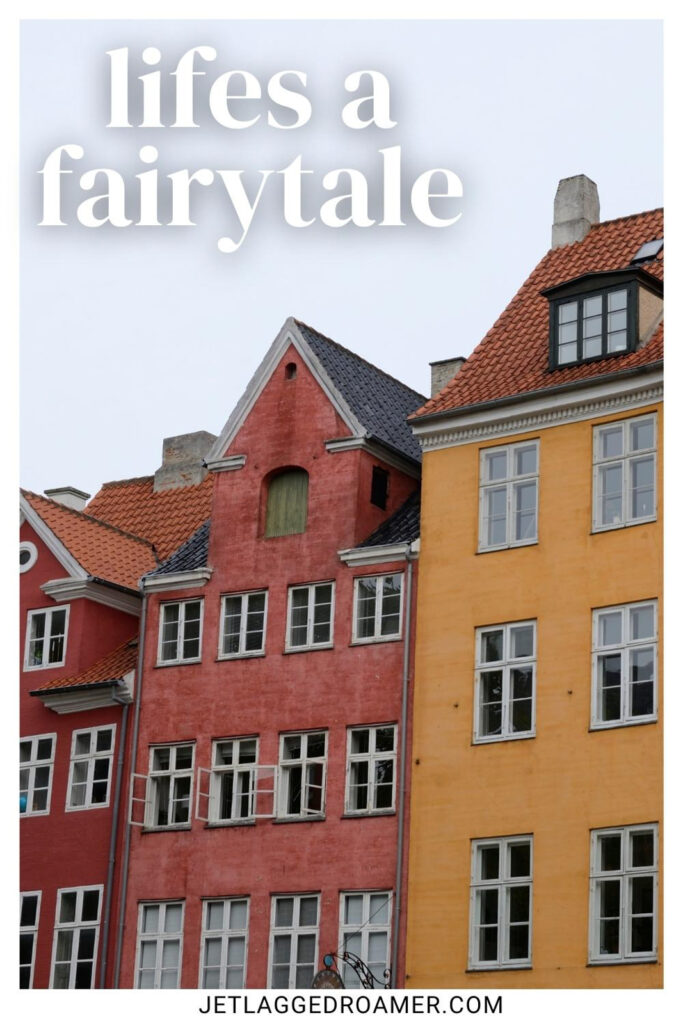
112,844
126,843
398,889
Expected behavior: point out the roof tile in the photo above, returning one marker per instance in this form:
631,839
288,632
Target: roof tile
108,669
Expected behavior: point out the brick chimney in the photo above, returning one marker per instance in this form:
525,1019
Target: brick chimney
182,460
444,370
577,208
69,496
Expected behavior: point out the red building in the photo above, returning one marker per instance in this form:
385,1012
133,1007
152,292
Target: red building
269,798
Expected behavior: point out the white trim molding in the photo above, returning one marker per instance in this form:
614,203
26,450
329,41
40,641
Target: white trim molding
61,553
72,589
67,701
230,462
379,554
377,450
189,579
537,412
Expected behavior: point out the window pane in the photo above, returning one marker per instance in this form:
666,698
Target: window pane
174,916
489,862
642,894
238,914
610,853
567,353
525,511
609,677
489,906
281,949
496,515
150,919
235,951
67,907
353,910
90,905
642,435
617,342
316,744
496,465
384,739
284,911
525,460
611,483
616,300
643,622
360,739
519,941
642,849
308,911
214,916
183,757
522,642
520,860
642,938
379,909
611,442
567,311
44,750
29,910
492,646
642,487
609,631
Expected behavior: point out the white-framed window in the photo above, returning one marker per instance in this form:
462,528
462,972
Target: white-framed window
225,931
377,607
624,472
233,780
29,916
28,555
624,664
46,631
160,945
293,941
365,931
500,903
302,771
623,894
243,624
180,632
170,785
92,753
36,758
508,496
310,615
77,928
371,769
505,682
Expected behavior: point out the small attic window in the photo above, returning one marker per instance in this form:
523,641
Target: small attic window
379,488
648,251
290,371
28,555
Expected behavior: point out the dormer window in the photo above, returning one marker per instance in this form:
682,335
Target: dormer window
598,316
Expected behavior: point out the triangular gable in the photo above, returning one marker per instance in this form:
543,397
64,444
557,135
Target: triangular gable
74,569
289,335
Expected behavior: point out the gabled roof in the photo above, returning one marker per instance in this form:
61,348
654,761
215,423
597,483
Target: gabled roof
193,554
402,527
106,671
512,359
103,551
372,404
164,518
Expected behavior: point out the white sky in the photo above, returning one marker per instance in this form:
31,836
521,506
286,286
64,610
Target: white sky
129,335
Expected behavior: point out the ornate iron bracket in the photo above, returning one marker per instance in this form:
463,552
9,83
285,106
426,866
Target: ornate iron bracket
365,975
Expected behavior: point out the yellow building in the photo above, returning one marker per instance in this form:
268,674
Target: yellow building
536,814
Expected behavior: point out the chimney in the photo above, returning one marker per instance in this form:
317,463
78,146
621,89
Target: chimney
69,496
182,460
444,370
577,208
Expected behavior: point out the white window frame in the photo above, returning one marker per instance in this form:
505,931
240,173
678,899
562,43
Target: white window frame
76,926
506,666
377,635
27,545
625,875
173,774
372,756
503,884
624,648
309,645
365,930
510,482
294,931
242,651
31,766
626,459
49,613
90,760
179,660
29,929
159,937
226,935
304,762
247,770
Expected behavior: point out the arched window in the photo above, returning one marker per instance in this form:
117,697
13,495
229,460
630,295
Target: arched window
287,505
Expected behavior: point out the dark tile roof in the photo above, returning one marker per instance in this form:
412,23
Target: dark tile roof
512,359
400,528
380,402
193,554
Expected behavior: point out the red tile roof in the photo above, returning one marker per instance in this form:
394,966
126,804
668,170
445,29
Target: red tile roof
110,668
103,550
512,359
165,518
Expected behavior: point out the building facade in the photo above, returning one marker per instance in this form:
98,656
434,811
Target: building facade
536,822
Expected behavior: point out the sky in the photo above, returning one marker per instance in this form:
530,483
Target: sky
128,335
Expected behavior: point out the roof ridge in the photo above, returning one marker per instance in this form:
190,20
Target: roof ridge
325,337
128,480
92,519
628,216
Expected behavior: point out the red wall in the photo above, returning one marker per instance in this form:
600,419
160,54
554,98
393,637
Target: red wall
325,689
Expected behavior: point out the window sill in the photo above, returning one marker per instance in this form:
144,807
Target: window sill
376,640
479,741
41,668
298,820
174,664
606,726
249,822
150,829
623,526
496,968
368,814
89,807
631,962
306,650
507,547
241,657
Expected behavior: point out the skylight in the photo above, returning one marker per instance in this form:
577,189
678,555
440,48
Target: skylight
648,250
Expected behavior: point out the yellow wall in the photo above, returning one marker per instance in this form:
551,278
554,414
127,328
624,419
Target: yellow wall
564,781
